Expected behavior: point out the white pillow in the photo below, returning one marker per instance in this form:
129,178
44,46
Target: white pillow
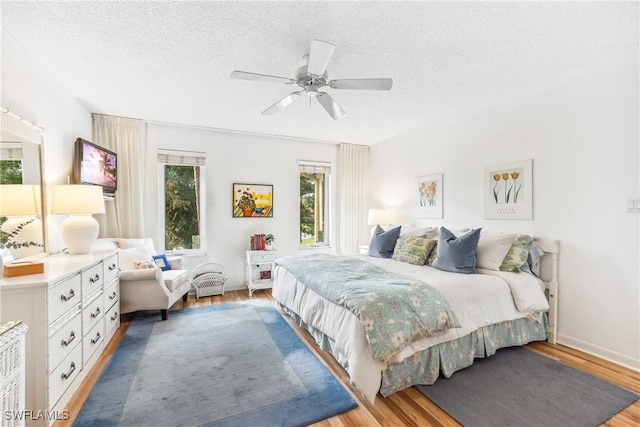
136,243
492,248
128,257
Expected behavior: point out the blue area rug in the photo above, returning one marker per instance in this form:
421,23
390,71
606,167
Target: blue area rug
518,387
236,364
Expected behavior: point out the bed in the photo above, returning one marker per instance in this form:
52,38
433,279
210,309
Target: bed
468,315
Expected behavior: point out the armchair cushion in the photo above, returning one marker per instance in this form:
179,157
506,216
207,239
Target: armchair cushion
137,275
136,243
174,278
128,257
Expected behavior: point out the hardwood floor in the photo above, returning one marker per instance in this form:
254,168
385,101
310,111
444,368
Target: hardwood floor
405,408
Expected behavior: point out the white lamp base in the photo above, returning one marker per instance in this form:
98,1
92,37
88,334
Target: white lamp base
31,233
79,232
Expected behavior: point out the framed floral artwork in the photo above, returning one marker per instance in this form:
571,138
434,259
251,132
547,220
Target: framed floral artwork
252,201
428,191
508,190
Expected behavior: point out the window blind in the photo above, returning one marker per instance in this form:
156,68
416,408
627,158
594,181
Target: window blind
184,158
11,151
314,167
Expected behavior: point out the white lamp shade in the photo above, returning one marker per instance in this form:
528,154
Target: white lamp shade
19,200
378,216
77,199
80,229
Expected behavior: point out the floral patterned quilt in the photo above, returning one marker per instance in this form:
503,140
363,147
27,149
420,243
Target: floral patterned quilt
394,309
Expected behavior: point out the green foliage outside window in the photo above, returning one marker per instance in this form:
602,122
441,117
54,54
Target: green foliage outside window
182,207
311,208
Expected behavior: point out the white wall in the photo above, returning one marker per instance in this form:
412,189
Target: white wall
238,158
581,130
28,90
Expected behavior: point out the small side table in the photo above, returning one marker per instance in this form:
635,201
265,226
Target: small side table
258,263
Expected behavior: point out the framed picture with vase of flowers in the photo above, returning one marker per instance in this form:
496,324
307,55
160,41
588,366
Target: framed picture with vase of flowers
252,200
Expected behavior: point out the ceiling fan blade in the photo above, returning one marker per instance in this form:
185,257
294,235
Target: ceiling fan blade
331,106
243,75
365,84
287,100
319,57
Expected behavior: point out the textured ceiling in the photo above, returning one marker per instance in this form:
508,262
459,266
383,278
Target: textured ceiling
171,61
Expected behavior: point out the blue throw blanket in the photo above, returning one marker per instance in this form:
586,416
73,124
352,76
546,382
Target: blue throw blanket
394,309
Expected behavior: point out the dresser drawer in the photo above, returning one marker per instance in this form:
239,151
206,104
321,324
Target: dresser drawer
64,339
61,378
111,294
111,268
92,314
266,257
92,341
63,296
92,279
112,321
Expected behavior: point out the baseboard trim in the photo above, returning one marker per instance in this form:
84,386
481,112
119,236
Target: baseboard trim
601,352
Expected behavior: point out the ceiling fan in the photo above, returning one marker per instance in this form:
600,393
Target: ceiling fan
311,78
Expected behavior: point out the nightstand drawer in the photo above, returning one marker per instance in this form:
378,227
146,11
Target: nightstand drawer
258,258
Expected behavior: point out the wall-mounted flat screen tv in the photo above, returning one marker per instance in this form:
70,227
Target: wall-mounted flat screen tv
96,165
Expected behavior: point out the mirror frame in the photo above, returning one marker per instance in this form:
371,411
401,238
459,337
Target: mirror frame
24,130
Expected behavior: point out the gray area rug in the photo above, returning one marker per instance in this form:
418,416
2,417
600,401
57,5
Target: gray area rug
517,387
236,364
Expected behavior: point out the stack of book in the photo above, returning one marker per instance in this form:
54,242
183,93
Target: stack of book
257,242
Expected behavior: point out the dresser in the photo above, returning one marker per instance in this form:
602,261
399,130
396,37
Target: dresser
258,268
72,311
12,373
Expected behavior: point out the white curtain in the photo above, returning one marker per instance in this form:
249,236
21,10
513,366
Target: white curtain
128,139
353,176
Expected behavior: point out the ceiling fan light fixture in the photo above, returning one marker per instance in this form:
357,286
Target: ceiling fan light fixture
313,76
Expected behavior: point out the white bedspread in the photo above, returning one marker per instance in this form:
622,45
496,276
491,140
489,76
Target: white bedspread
477,299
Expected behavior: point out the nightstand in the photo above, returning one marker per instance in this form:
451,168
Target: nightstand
258,269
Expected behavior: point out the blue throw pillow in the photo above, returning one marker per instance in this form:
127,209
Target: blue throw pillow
383,242
162,262
457,254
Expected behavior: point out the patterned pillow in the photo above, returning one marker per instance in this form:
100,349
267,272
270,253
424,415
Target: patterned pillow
433,254
143,265
413,250
517,255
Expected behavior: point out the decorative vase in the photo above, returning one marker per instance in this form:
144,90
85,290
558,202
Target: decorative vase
268,246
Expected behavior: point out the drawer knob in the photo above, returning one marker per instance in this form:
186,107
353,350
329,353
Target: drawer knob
97,312
113,295
112,267
66,375
94,279
115,316
72,336
72,293
96,339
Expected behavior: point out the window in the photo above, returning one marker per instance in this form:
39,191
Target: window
182,200
314,203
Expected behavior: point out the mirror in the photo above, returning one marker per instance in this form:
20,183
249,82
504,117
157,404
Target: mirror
22,193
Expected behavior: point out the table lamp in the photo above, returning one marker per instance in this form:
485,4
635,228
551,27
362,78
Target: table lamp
80,229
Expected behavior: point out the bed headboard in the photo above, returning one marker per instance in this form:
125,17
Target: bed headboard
549,269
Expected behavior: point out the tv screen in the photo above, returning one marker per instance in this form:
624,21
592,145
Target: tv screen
96,165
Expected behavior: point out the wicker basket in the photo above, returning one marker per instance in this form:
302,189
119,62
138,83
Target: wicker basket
208,279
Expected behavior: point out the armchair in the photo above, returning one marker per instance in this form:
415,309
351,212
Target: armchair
149,288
